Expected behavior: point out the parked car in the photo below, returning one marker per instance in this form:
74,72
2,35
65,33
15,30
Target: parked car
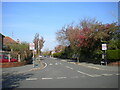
5,58
41,57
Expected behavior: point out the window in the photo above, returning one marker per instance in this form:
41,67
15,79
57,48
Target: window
0,57
5,57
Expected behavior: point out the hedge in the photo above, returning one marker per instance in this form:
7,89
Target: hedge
113,54
57,54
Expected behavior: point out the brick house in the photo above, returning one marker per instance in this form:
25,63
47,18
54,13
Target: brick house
8,40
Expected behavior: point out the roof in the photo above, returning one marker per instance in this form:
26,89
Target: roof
8,40
2,35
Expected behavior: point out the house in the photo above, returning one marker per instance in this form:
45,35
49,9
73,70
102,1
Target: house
7,40
1,41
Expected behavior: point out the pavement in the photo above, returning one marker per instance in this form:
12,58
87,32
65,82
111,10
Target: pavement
22,69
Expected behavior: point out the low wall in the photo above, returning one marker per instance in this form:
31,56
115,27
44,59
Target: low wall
114,64
12,64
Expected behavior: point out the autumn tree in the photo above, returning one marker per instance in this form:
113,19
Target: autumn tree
86,38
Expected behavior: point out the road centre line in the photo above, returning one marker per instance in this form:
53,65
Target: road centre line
50,64
69,67
61,77
117,74
46,78
31,79
60,63
56,63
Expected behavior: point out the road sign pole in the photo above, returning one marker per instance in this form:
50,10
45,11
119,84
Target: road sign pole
105,58
33,59
32,47
104,47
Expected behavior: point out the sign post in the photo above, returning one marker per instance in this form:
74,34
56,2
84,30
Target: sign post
104,47
32,47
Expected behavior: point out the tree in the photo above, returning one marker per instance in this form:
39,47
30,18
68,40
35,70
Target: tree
85,39
19,49
59,48
38,42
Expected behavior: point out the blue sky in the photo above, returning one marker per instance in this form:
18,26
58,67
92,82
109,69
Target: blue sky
25,19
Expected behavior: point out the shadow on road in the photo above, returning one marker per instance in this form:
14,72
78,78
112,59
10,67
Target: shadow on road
12,81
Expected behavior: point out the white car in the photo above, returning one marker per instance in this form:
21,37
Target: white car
40,56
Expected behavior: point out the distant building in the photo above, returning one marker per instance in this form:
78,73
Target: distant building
59,48
18,41
1,41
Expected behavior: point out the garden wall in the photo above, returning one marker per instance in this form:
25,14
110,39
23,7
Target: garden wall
12,64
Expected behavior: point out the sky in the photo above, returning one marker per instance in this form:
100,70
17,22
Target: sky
22,20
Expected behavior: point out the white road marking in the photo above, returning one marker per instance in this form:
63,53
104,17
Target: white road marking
46,78
61,77
91,67
117,74
72,62
85,74
69,67
50,64
13,85
31,79
56,63
3,72
60,63
96,75
63,60
45,65
107,74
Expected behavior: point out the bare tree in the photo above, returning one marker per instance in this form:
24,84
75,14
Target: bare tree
38,42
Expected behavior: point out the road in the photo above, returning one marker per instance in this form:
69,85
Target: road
58,73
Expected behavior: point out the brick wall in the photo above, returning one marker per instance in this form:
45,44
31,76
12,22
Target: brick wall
12,64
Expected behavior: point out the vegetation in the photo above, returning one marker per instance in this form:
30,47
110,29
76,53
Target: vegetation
16,49
38,43
113,55
22,49
85,39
